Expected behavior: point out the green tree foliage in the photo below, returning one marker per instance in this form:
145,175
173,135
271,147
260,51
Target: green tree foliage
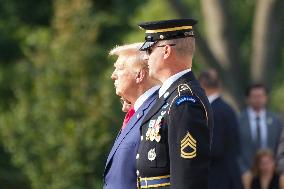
15,23
60,114
63,121
64,114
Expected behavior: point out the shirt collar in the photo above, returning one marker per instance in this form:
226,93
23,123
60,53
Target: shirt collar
253,114
144,97
171,80
213,97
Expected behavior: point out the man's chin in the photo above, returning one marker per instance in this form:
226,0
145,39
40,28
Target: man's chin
119,93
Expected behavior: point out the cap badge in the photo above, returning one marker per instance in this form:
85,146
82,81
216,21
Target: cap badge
188,33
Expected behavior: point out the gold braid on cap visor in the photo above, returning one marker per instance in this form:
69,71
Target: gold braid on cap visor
169,29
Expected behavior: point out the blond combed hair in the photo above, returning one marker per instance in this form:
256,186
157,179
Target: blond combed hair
130,54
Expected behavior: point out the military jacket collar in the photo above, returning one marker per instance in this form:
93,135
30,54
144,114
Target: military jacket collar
186,78
167,84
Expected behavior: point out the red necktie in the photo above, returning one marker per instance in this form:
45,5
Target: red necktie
127,117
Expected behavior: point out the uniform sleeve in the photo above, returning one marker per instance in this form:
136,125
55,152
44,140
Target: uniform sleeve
232,134
189,145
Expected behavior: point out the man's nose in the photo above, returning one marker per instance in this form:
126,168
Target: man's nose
145,57
113,76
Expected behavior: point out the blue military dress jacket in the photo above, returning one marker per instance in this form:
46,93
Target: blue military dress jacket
120,169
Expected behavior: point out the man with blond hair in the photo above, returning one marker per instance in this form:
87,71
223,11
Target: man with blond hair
134,86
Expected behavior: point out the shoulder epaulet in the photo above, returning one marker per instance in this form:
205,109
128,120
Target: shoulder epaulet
186,94
184,88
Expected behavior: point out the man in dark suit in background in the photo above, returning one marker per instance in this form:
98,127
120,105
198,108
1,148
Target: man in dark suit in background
259,128
132,83
224,170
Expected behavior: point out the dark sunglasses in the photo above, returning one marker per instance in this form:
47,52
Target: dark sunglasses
150,49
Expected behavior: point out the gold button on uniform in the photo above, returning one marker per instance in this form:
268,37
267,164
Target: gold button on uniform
137,156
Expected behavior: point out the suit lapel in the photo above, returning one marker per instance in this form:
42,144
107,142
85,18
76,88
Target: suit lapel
248,130
130,125
270,130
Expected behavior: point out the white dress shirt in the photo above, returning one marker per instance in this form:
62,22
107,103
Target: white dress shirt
144,97
213,97
263,125
171,80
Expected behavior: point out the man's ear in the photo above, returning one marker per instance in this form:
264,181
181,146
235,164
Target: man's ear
168,50
140,75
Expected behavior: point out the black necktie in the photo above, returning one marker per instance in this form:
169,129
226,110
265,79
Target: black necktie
258,132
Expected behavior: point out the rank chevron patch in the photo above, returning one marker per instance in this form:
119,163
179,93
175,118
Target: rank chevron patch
188,142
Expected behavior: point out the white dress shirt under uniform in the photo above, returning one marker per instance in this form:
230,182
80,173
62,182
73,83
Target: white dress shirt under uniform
166,85
144,97
263,125
213,97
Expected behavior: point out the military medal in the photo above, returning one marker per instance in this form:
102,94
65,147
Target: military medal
157,127
153,130
152,134
158,138
149,131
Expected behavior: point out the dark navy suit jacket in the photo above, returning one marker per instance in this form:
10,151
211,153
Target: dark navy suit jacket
120,169
224,170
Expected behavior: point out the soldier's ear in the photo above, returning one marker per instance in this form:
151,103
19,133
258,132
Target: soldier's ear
168,50
140,75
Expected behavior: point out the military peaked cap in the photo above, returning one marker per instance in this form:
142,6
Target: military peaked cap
166,29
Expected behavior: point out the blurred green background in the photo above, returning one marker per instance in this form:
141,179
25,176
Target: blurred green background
59,112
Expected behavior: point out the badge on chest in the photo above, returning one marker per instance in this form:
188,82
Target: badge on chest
152,154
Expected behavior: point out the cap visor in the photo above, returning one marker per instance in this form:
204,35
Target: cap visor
146,45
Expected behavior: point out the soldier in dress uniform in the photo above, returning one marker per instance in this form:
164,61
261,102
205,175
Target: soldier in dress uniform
174,151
